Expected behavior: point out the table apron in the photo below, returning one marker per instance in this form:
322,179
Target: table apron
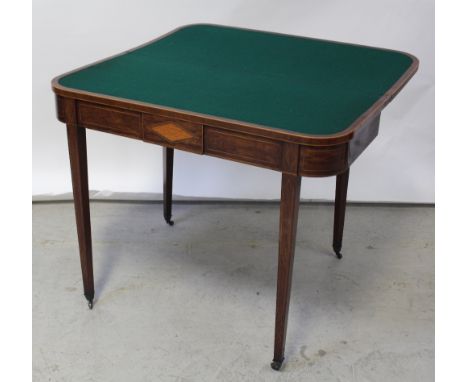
257,150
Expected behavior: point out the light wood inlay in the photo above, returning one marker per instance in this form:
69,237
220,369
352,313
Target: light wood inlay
171,131
181,135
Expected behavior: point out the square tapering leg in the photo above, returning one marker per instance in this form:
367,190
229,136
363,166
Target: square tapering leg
340,209
79,171
168,165
290,194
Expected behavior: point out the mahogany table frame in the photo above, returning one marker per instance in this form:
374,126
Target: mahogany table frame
293,154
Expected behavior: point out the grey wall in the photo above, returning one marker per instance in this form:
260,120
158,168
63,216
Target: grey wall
398,166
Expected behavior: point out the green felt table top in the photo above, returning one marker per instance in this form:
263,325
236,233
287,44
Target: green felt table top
292,83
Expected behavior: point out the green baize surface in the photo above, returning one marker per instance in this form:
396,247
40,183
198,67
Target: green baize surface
291,83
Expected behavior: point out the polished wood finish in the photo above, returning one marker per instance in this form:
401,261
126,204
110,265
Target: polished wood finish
257,150
290,194
66,110
340,209
79,170
323,160
290,158
362,138
291,153
260,147
243,148
110,120
168,164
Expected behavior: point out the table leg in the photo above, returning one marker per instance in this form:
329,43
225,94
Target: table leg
340,208
290,192
79,171
168,164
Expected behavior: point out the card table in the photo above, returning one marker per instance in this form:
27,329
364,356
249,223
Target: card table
301,106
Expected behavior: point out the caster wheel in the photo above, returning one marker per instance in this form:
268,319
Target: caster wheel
276,365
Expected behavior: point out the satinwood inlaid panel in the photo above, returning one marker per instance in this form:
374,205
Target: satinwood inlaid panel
181,135
171,131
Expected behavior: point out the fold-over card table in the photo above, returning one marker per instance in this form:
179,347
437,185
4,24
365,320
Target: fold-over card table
301,106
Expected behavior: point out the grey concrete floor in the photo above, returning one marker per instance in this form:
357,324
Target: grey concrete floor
196,301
